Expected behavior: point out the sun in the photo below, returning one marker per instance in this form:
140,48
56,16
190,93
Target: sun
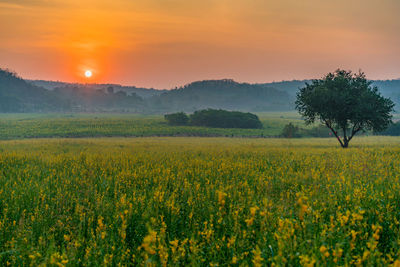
88,73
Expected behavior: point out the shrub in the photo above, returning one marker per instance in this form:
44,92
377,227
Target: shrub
225,119
177,119
318,131
290,131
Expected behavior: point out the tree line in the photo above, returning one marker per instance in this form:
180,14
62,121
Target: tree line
17,95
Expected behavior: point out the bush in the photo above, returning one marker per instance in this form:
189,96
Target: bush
225,119
318,131
177,119
290,131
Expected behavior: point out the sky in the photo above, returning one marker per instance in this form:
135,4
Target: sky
168,43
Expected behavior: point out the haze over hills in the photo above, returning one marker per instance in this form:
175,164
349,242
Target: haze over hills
142,92
225,94
388,88
18,95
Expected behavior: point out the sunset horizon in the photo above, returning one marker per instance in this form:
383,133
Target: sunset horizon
164,44
89,81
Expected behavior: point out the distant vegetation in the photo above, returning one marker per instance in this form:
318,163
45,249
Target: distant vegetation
177,119
393,130
216,119
391,89
292,131
129,90
18,95
222,94
225,119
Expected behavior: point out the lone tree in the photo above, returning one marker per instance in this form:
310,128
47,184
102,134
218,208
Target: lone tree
347,102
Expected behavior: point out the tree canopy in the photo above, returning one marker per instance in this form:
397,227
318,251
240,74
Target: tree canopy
346,102
177,119
225,119
216,118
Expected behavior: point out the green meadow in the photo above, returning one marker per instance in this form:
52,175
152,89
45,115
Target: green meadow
15,126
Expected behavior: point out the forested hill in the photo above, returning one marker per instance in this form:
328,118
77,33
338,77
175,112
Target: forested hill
139,91
388,88
16,95
225,94
290,87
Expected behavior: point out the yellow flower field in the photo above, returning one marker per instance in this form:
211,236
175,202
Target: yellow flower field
199,201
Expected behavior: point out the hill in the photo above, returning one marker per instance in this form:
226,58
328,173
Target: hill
225,94
16,95
129,90
87,98
290,87
388,88
391,89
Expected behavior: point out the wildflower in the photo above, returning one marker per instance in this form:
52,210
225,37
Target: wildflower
67,238
324,251
234,260
149,242
221,198
174,245
257,259
253,211
306,261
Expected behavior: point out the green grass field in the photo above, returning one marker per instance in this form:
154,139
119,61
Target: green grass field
171,201
15,126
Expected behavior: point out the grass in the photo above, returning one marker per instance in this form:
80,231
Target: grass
199,201
18,126
15,126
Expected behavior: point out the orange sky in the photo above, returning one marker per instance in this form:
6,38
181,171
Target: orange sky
167,43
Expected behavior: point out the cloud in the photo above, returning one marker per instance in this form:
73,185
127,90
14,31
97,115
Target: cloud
238,36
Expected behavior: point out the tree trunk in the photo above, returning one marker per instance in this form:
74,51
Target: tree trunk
345,139
337,137
345,144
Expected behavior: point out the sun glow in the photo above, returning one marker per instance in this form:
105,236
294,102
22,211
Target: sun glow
88,73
